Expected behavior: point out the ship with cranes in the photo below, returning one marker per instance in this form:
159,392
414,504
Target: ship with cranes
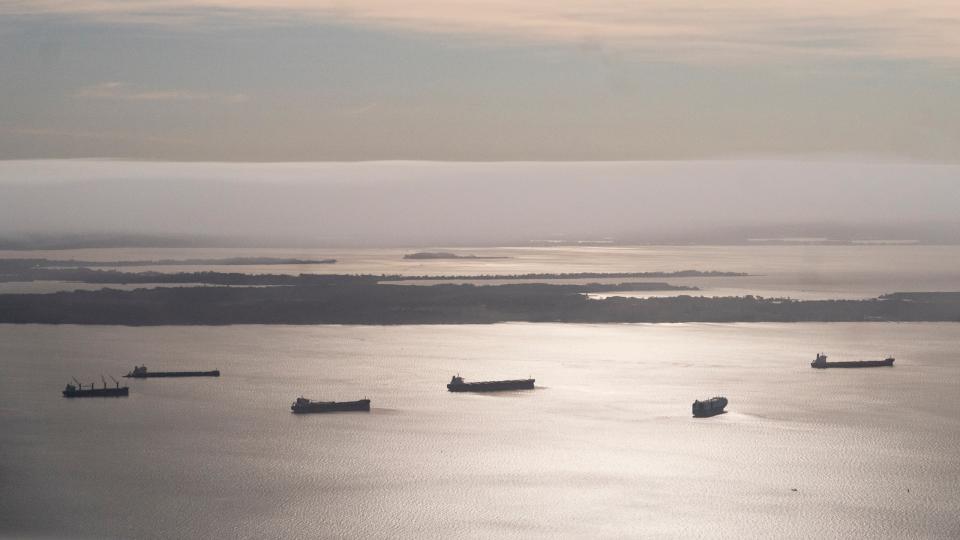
79,390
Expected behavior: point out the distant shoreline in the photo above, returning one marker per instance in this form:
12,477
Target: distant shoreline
228,261
434,255
54,270
362,300
571,275
241,298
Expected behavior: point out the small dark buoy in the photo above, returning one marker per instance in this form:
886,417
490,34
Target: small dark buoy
793,489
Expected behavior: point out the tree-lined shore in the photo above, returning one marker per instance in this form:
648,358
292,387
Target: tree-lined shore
364,300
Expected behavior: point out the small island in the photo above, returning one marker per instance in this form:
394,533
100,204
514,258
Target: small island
427,255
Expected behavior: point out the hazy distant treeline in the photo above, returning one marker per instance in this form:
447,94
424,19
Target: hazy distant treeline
428,255
575,275
20,272
51,270
361,300
26,265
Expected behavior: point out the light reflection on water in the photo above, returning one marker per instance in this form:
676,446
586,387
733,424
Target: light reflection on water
605,447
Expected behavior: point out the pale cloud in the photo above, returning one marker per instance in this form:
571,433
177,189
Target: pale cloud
686,30
114,90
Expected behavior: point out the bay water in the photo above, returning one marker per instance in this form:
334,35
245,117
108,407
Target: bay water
605,446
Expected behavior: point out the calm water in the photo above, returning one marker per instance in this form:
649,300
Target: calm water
803,272
605,447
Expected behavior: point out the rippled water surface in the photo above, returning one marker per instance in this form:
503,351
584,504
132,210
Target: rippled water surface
604,447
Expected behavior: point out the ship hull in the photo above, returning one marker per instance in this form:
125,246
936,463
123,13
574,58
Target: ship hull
861,364
98,392
332,406
710,407
708,414
491,386
161,374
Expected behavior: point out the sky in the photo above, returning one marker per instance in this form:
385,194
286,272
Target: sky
560,80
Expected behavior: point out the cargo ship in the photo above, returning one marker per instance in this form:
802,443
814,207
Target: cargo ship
457,384
79,391
140,372
709,407
821,363
303,405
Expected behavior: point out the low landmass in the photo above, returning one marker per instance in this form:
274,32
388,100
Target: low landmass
230,261
81,271
369,299
78,271
573,275
445,255
7,265
106,277
364,300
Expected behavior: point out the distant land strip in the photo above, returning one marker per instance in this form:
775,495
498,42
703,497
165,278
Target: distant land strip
361,300
573,275
47,270
428,255
230,261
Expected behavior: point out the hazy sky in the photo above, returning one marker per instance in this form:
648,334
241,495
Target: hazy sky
431,203
499,80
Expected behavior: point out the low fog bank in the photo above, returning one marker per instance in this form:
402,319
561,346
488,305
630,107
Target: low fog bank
66,203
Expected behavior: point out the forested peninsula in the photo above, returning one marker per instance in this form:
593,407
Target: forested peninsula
366,300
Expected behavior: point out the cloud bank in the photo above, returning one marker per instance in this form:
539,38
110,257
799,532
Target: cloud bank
423,203
731,30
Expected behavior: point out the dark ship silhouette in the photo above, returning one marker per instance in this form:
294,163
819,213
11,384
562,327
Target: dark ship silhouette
709,407
140,372
79,391
821,363
303,405
457,384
